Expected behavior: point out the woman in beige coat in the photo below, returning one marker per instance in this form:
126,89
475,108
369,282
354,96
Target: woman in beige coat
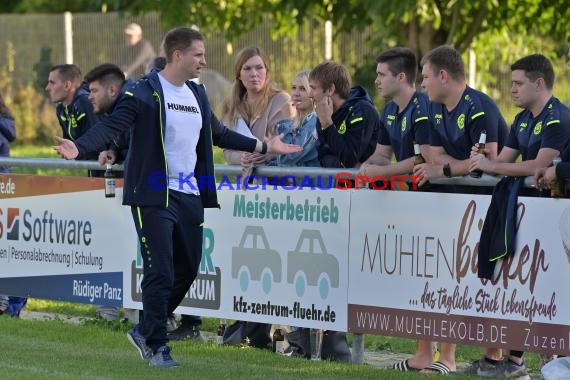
254,106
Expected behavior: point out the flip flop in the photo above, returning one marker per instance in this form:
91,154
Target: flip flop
404,366
437,368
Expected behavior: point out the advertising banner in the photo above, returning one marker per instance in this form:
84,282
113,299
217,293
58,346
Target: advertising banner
59,240
413,272
271,256
382,262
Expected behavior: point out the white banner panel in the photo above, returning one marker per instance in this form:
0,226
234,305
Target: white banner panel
413,272
58,239
272,256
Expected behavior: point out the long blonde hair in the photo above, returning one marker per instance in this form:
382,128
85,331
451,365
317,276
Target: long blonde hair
235,106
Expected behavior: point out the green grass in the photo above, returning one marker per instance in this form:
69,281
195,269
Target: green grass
58,350
58,307
40,151
54,349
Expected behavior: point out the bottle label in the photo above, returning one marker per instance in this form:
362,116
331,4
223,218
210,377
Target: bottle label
109,187
280,347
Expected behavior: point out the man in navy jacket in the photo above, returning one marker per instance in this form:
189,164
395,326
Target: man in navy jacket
169,176
73,109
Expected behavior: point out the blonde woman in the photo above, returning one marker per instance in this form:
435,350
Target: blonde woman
301,130
255,105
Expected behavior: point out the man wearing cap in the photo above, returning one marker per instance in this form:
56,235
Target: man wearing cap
137,53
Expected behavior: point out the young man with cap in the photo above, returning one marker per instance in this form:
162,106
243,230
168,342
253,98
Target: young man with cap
137,53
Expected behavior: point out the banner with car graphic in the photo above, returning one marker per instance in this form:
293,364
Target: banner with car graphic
274,256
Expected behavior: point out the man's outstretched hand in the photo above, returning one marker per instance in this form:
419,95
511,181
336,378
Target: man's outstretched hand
66,148
277,146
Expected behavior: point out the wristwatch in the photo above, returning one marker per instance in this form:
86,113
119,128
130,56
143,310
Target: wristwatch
447,170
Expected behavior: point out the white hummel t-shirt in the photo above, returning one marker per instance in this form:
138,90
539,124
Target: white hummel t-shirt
182,131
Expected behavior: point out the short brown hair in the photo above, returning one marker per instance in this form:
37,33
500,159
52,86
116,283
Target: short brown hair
68,72
180,38
400,60
106,73
445,58
329,73
536,66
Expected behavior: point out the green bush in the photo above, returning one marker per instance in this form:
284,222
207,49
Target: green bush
36,122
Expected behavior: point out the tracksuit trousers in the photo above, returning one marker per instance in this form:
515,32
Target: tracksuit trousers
171,247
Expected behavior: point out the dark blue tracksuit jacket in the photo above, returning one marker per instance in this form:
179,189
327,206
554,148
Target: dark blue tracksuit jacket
142,110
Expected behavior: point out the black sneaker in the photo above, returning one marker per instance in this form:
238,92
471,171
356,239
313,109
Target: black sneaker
183,332
504,369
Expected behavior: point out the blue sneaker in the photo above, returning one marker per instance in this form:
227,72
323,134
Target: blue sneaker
139,341
162,358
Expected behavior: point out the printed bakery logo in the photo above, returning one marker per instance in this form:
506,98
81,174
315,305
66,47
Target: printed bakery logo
429,257
205,291
10,221
44,227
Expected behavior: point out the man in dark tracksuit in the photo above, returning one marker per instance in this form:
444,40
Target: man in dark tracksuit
347,123
347,128
107,85
172,129
73,109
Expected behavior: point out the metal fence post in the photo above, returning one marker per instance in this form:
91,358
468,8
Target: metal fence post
68,30
357,348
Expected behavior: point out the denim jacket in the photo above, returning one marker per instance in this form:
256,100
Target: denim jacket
305,135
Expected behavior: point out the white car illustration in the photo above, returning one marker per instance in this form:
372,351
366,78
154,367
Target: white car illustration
311,264
254,260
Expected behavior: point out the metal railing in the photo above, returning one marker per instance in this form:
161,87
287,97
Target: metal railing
221,169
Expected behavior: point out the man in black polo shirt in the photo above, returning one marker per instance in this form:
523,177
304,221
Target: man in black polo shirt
538,134
404,119
458,115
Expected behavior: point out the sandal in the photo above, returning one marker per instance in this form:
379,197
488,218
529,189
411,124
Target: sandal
404,366
437,368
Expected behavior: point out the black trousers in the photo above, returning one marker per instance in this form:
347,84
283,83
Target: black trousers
171,248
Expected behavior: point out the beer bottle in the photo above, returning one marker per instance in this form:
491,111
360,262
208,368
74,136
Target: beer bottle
482,140
278,341
221,331
418,158
109,182
558,187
